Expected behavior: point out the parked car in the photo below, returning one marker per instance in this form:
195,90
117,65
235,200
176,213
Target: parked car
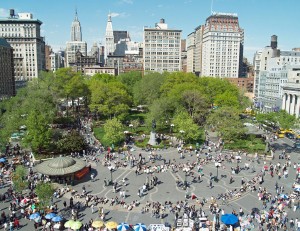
297,146
290,135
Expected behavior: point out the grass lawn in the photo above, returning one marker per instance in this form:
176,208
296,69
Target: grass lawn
249,145
99,133
134,116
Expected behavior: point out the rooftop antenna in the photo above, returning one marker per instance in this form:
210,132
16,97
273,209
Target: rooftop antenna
211,6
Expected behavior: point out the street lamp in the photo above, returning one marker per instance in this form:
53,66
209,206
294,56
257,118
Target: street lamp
171,128
182,132
185,170
111,169
217,164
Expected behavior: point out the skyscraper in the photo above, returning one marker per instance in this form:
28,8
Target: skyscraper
7,81
109,38
76,43
222,49
23,33
76,34
162,48
217,47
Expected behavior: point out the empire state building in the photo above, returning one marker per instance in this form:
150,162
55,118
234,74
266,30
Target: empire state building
76,34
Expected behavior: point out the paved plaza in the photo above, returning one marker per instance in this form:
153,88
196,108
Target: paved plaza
167,188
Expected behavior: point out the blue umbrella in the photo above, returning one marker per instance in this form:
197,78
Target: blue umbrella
297,189
57,219
2,160
229,219
123,227
34,216
284,196
50,215
140,227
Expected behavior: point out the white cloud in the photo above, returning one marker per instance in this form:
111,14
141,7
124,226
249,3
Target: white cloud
160,6
114,14
122,15
127,1
4,12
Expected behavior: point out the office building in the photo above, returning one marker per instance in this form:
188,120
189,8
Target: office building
76,44
23,33
216,48
81,61
222,46
57,60
291,92
162,48
120,34
109,38
7,80
76,34
272,68
48,52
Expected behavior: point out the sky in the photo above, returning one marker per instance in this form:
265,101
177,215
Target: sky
260,19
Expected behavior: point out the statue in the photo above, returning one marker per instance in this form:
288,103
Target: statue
152,140
153,124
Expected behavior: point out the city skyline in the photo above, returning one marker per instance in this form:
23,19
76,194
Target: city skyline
259,19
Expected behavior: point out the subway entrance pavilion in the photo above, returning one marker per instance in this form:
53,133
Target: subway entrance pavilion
63,169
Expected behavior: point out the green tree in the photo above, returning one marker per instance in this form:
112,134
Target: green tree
148,89
280,118
196,105
77,87
228,99
114,131
19,179
130,79
177,78
39,132
227,123
111,99
71,142
161,110
44,192
212,87
185,127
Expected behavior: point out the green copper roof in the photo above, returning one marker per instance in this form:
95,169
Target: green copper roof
4,43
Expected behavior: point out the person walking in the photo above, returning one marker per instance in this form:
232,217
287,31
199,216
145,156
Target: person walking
92,208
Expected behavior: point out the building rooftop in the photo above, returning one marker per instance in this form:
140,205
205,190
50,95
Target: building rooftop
18,20
4,43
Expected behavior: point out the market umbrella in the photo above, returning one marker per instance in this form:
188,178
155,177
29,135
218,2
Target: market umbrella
122,227
2,160
57,219
50,215
98,224
34,216
76,225
229,219
140,227
69,223
111,225
284,196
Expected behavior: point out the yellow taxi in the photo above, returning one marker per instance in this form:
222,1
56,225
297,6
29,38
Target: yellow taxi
280,133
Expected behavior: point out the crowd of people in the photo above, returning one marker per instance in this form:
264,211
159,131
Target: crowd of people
190,162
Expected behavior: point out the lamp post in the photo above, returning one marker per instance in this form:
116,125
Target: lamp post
111,169
217,164
182,132
185,177
171,128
